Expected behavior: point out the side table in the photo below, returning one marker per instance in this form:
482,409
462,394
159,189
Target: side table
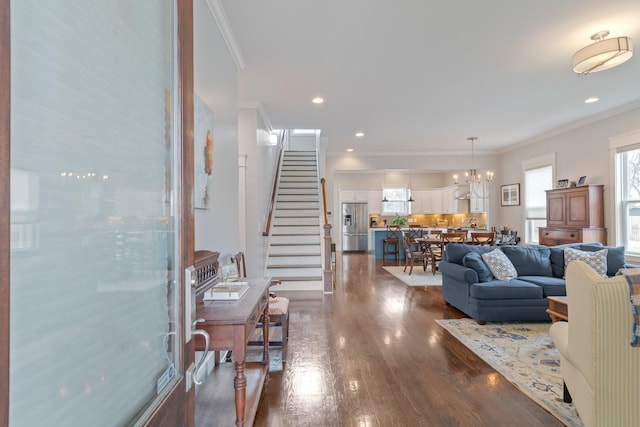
558,308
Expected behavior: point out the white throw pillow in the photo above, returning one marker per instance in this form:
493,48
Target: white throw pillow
596,260
501,267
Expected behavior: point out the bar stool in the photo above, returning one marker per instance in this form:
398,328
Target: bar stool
391,242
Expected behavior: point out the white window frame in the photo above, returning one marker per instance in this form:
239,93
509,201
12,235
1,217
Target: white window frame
617,206
387,191
534,163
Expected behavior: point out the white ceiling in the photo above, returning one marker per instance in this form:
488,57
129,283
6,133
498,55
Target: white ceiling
423,75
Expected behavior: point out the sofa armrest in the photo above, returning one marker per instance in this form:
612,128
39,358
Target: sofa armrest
459,272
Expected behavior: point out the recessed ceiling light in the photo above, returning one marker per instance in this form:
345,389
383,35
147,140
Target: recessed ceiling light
591,100
317,100
349,149
359,134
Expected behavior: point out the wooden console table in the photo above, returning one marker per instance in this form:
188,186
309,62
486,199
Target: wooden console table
229,324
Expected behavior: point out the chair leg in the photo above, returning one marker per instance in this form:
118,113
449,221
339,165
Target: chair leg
285,336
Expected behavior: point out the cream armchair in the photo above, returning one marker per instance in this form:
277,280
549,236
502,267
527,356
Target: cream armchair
600,368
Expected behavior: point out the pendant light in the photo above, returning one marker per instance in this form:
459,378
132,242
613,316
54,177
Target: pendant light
410,196
384,184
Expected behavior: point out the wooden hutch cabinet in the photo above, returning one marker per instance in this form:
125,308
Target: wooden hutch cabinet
574,215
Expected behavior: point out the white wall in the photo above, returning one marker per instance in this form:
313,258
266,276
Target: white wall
582,151
261,158
215,81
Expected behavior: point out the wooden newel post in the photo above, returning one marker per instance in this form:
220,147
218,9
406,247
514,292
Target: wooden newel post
328,273
328,268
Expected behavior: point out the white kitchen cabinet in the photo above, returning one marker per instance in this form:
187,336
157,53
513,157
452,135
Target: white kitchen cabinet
361,196
478,197
354,196
452,201
347,196
436,197
374,201
416,207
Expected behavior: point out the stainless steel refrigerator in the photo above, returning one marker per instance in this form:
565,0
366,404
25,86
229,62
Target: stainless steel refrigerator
355,224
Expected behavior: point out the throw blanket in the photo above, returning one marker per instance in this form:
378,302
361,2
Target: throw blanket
633,279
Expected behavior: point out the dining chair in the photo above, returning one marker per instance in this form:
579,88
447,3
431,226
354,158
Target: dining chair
482,238
433,251
454,237
415,231
413,253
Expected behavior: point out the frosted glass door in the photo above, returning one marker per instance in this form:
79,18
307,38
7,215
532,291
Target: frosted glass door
93,228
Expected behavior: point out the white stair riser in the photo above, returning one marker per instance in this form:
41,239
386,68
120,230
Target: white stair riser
297,205
295,239
295,272
292,250
299,191
297,212
298,170
298,178
296,230
297,221
289,173
292,260
293,184
297,198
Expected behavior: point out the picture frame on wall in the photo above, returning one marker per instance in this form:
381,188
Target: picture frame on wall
510,195
562,183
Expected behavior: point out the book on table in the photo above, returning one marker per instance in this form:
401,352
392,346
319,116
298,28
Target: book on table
227,291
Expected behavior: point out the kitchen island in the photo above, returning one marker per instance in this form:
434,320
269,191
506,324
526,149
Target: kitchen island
378,234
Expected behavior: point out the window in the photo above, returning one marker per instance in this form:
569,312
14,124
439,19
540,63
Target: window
536,181
396,200
627,167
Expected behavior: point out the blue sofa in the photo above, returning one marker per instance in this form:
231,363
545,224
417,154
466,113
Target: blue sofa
468,284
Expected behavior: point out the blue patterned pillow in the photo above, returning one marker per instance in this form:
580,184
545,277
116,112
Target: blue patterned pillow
500,265
474,261
596,260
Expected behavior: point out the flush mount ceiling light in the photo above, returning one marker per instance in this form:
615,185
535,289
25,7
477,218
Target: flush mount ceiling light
603,54
317,100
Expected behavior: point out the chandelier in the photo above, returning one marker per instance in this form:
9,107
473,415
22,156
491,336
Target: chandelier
472,177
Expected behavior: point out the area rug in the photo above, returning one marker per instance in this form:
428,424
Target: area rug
524,354
417,278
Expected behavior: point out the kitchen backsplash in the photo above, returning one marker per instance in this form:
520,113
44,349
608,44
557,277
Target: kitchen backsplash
435,220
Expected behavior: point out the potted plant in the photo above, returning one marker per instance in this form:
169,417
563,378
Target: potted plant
399,220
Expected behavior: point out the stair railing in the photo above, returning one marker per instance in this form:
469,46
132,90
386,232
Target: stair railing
328,270
274,190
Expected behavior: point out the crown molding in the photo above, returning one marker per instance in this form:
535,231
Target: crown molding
572,126
262,112
219,15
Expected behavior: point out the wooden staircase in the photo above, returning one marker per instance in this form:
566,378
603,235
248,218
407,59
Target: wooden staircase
295,254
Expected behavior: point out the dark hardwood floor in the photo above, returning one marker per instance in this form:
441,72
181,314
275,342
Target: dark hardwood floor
372,354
